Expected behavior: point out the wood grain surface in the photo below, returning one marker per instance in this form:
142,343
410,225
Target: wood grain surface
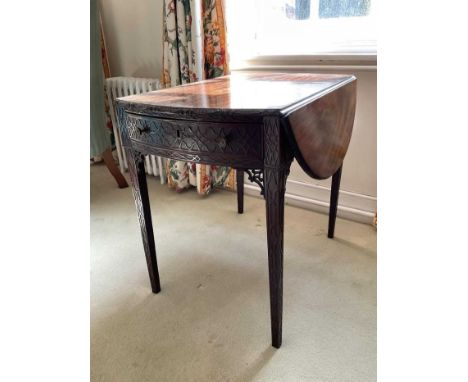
260,91
321,131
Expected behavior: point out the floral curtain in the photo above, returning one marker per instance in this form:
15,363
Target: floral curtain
194,38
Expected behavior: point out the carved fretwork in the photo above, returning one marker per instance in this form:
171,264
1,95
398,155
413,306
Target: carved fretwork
121,121
192,136
256,176
226,144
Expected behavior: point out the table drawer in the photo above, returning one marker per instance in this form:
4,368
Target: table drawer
230,139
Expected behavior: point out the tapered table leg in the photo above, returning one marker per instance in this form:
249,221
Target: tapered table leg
276,169
240,191
136,168
335,190
274,198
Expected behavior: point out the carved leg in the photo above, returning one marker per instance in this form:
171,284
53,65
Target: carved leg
275,181
276,169
136,168
240,191
335,189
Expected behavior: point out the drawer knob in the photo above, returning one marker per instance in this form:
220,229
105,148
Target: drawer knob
222,143
142,129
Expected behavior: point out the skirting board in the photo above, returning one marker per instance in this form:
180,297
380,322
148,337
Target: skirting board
352,206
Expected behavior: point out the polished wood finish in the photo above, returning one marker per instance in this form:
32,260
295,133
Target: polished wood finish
322,131
242,91
242,96
254,122
335,189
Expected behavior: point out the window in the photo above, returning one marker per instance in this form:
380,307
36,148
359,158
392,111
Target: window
300,28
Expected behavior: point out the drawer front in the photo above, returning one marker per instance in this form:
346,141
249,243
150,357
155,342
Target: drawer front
231,140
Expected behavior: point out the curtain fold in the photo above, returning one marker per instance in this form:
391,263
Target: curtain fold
194,48
99,136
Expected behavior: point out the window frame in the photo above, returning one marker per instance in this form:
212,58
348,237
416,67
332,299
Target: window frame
335,61
362,60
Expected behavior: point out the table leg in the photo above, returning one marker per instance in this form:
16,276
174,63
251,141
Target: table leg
277,161
275,181
335,190
136,167
240,191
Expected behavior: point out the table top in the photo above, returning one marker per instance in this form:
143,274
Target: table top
316,111
243,91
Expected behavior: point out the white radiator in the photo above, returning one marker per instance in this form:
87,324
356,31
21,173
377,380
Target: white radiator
123,86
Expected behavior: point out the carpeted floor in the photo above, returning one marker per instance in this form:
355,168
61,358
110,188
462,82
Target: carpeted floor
211,321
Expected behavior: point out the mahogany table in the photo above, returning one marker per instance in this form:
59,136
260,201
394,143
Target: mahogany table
256,122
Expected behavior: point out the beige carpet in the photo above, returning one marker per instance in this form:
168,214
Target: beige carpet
211,321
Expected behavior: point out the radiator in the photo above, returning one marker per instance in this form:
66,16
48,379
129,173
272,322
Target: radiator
123,86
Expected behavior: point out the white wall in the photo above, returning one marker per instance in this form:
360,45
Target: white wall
360,166
133,32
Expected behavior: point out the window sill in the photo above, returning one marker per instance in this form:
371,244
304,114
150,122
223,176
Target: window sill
349,61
